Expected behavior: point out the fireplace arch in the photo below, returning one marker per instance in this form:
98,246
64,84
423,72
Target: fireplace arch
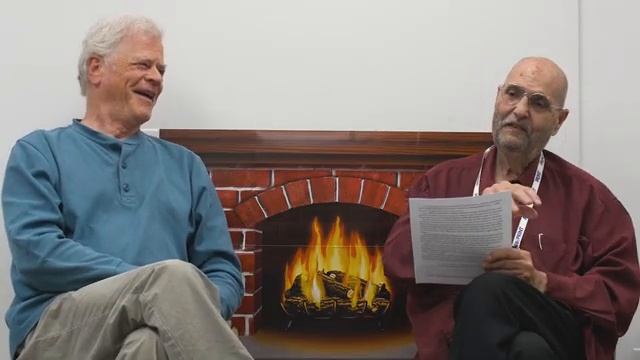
305,192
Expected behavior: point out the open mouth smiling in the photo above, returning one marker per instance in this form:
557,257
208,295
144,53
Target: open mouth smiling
148,94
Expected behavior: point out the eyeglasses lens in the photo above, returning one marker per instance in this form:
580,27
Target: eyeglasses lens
512,94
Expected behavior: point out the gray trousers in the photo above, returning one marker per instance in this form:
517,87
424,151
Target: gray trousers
166,310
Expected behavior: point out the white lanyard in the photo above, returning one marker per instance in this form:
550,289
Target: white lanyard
517,238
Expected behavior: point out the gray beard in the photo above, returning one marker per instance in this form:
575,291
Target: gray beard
511,146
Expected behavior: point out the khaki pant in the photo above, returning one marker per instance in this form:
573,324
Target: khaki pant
166,310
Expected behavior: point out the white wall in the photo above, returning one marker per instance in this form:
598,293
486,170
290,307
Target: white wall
332,64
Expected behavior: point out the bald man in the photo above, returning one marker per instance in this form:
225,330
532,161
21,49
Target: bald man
569,286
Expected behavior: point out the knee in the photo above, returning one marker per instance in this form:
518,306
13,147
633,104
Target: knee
528,345
491,281
143,342
142,334
178,271
489,285
485,292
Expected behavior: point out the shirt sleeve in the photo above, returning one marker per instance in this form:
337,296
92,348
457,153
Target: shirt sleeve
429,306
210,249
608,287
48,260
398,252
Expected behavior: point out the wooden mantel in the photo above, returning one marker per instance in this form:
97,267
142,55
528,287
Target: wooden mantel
349,149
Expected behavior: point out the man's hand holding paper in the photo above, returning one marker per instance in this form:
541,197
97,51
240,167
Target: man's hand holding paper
518,263
452,237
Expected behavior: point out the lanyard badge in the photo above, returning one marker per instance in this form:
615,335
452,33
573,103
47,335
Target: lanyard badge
522,226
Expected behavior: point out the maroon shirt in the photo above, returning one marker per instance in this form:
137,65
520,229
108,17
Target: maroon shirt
588,252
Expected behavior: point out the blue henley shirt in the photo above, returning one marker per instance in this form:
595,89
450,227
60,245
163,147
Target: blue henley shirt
80,206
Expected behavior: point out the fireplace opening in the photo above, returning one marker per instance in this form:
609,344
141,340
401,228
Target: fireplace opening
323,271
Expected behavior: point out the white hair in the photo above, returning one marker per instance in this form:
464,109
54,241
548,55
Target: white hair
106,35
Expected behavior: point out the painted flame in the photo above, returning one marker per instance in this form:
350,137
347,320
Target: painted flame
336,252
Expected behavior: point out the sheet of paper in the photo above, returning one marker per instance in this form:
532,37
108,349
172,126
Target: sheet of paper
452,236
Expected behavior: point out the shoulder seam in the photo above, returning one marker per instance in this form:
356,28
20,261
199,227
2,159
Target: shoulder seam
33,147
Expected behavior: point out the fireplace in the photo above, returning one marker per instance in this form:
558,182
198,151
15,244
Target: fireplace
326,266
308,214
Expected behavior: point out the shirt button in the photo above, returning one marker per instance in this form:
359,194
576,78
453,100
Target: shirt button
125,187
124,165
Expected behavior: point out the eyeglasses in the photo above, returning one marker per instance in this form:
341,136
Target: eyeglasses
538,102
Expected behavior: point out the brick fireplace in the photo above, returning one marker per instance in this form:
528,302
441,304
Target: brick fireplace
262,174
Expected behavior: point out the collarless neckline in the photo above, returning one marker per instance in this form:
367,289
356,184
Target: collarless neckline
104,138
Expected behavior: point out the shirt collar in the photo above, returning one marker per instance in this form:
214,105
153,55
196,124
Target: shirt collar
489,172
104,138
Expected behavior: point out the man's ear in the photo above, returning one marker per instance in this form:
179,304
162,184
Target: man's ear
95,70
561,118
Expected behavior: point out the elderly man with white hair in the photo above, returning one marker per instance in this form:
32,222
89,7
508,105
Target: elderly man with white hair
120,245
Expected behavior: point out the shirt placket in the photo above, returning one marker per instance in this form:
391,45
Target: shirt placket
127,190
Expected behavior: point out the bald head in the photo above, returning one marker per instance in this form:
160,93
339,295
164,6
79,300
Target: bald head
543,72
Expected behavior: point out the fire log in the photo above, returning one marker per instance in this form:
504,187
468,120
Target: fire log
294,306
339,298
296,288
345,309
335,288
380,306
327,308
351,283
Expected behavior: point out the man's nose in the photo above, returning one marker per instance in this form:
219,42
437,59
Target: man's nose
522,107
154,75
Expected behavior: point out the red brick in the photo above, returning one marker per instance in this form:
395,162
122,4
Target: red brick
250,261
273,201
236,238
373,193
298,193
387,177
254,323
323,190
250,303
249,283
233,221
408,177
396,202
250,213
245,194
349,189
284,176
247,261
252,240
238,322
252,282
241,178
228,198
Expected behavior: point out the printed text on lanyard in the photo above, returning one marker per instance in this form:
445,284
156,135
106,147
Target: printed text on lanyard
517,238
